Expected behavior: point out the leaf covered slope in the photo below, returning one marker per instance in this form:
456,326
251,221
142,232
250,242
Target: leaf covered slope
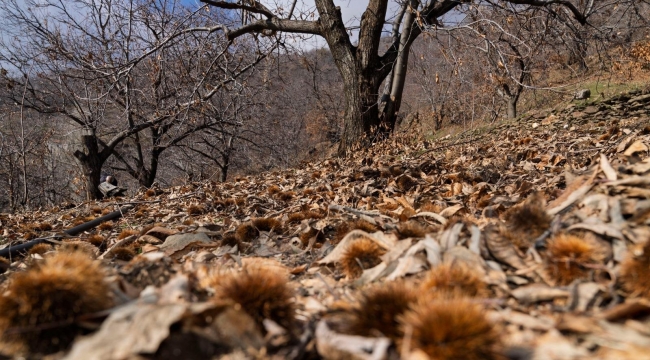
527,240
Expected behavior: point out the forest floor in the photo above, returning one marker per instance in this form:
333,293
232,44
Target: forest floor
518,240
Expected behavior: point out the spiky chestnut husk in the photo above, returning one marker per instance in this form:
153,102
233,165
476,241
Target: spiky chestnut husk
106,226
141,213
302,215
38,310
455,278
635,272
123,253
296,217
247,232
126,233
78,246
380,308
430,207
527,221
306,236
405,183
195,210
450,329
149,193
361,254
286,195
40,249
568,257
97,241
411,229
346,227
44,226
261,291
230,239
267,224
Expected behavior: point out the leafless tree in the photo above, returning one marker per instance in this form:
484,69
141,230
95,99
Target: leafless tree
517,45
124,75
27,178
514,45
362,67
221,143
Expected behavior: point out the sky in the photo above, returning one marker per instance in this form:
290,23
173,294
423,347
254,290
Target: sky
350,9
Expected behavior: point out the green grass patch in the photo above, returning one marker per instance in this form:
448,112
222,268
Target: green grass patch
607,89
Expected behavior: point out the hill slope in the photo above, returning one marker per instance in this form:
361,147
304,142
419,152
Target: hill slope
521,240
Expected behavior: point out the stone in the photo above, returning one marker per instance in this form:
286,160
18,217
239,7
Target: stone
582,94
179,242
110,190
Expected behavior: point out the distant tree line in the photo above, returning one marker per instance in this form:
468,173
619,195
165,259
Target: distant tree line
154,92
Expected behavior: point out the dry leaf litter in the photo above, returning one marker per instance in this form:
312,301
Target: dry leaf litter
519,241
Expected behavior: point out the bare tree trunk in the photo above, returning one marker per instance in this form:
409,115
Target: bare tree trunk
395,36
511,97
10,182
91,163
512,107
359,68
225,157
361,118
394,100
224,173
23,153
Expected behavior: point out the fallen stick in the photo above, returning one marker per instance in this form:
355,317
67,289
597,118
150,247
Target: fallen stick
11,251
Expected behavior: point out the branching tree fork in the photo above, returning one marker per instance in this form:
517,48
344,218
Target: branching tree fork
362,67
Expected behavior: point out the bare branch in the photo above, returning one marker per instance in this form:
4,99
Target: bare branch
256,8
276,24
579,16
272,23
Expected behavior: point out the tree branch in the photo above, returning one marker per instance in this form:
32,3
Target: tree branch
372,23
272,22
579,16
275,24
257,8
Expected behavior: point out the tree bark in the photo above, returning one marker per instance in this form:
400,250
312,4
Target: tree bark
360,67
512,107
394,100
361,124
224,173
91,163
